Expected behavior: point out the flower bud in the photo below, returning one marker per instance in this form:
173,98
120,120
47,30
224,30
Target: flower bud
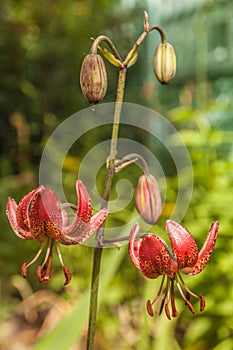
165,63
148,199
93,78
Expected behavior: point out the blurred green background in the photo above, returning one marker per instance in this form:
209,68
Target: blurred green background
42,44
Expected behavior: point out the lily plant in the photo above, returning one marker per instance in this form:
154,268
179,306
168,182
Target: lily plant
41,216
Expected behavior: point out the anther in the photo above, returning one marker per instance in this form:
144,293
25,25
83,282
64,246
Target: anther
24,270
202,302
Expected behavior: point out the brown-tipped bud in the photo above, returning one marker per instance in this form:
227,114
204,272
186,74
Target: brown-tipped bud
148,199
93,78
165,63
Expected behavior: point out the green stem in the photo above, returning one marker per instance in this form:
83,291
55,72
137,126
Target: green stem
94,298
132,158
108,184
104,38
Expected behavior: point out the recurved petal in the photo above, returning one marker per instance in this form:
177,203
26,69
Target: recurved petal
155,258
76,234
84,202
79,231
98,218
183,245
11,209
22,211
133,246
45,217
206,250
65,217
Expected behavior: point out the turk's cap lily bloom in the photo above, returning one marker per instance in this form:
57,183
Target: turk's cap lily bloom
152,256
148,199
41,216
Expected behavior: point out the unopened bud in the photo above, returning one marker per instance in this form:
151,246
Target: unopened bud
93,78
148,199
165,63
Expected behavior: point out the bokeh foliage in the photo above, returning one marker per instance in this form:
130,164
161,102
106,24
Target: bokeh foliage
42,45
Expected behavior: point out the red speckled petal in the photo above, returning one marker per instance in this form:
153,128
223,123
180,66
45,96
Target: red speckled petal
183,245
84,225
18,215
11,209
133,246
84,202
99,218
23,209
155,258
78,233
45,216
206,251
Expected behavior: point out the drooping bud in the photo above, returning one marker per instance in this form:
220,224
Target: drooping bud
148,199
93,78
165,62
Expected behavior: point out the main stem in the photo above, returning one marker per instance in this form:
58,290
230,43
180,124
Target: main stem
107,188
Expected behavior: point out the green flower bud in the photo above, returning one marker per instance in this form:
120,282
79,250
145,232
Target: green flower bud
93,78
165,63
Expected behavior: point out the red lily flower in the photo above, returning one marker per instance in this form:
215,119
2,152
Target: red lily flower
151,255
41,216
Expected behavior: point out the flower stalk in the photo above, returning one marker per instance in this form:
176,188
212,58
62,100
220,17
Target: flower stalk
99,236
114,58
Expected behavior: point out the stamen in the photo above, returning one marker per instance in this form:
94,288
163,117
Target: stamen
149,303
166,296
160,289
43,244
162,304
191,308
48,252
43,271
189,292
67,273
175,313
167,311
187,302
168,291
202,302
25,265
24,270
187,288
59,254
149,308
